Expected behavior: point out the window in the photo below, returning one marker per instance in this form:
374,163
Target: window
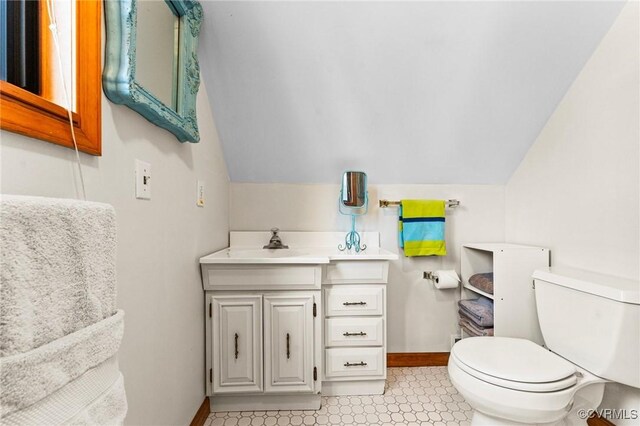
31,102
20,44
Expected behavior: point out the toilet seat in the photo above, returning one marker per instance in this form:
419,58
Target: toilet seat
512,363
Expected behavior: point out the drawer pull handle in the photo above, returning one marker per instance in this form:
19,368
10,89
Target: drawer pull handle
354,303
288,349
236,346
361,333
356,364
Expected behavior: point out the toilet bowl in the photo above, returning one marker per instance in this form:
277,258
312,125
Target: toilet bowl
514,381
585,319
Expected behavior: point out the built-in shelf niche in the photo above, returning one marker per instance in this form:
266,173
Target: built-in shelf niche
514,307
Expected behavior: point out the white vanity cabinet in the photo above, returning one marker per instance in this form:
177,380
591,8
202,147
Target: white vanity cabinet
264,347
284,326
355,340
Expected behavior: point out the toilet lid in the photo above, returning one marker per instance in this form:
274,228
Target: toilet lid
515,360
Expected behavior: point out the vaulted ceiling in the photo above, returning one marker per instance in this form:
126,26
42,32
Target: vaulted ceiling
410,92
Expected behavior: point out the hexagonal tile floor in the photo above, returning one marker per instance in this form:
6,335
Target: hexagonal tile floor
413,396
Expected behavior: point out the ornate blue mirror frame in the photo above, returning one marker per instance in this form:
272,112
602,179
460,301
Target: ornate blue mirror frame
118,77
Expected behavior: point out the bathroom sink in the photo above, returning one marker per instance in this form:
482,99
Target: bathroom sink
264,253
311,255
307,248
259,255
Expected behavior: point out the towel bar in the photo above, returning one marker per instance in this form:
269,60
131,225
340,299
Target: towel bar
387,203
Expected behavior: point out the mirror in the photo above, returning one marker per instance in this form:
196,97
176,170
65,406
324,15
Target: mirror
354,189
354,201
157,64
151,61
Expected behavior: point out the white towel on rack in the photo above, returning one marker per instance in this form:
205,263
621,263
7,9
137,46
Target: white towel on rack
59,326
57,269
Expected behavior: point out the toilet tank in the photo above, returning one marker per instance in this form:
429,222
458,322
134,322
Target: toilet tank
592,320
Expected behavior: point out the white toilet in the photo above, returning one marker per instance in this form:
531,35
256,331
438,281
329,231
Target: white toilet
591,327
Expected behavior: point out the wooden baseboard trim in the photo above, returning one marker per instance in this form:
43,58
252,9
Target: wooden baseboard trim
596,420
202,414
417,359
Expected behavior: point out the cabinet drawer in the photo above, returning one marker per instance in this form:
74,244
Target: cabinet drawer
354,362
268,277
354,331
356,272
354,300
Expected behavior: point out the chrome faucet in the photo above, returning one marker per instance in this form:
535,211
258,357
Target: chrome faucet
275,242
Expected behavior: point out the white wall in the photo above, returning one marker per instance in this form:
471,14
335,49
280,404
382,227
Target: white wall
159,242
444,91
577,191
421,318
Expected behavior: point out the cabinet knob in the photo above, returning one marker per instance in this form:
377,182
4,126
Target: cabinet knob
354,303
361,333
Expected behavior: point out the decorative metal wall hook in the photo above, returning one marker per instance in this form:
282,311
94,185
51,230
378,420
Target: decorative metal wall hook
352,239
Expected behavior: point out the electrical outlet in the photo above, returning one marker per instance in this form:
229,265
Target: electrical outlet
455,338
143,180
200,194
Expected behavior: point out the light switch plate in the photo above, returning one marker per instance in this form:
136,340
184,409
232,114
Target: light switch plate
200,194
143,180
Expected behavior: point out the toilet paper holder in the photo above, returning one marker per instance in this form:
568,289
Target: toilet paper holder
429,275
450,279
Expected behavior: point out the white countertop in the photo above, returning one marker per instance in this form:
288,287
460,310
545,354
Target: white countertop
305,248
298,255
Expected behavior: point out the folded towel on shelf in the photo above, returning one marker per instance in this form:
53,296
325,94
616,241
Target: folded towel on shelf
482,282
57,269
28,377
421,227
471,328
480,311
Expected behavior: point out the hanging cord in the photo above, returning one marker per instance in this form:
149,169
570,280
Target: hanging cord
53,26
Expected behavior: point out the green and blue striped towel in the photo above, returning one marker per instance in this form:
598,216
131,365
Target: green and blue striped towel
421,228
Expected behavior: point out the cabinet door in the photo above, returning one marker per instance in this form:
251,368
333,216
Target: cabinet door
237,344
289,343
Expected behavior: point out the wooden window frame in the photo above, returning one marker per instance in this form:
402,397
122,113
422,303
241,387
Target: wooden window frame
31,115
